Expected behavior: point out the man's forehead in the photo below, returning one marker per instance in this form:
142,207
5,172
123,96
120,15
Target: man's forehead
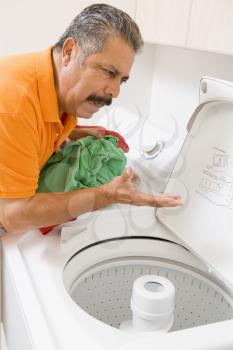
120,64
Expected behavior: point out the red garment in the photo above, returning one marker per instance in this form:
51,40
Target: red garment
121,144
45,230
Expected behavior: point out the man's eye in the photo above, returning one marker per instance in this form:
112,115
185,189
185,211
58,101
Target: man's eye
110,73
123,81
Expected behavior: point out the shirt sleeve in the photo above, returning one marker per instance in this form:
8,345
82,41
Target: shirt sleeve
19,155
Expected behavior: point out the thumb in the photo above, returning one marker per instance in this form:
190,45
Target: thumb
128,174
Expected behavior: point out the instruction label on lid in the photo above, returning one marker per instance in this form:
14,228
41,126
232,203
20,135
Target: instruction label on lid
216,183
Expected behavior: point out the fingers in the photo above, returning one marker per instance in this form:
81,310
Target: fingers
144,199
78,133
157,201
168,201
175,196
94,132
122,190
128,174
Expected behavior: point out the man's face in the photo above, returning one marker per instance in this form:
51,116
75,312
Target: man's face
86,87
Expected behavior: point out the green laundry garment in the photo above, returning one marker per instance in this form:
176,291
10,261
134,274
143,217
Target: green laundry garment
87,162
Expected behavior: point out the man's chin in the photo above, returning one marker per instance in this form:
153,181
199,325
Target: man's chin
85,116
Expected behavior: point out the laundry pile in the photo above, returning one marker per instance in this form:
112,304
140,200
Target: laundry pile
87,162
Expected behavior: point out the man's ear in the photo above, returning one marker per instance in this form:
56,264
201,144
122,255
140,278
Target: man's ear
69,51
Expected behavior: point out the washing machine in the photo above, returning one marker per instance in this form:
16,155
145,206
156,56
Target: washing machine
72,289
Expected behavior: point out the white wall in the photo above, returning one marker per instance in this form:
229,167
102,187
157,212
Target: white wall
29,25
176,76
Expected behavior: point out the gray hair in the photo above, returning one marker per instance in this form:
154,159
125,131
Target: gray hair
96,23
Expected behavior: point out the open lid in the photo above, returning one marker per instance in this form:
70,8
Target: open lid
203,175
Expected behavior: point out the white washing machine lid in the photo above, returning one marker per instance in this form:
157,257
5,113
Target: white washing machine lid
203,175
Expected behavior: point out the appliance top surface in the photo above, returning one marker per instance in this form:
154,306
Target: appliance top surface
40,263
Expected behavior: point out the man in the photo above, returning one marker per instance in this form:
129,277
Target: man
41,96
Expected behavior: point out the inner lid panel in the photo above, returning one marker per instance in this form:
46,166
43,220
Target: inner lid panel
203,175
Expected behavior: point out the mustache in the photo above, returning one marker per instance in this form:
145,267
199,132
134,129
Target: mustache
99,99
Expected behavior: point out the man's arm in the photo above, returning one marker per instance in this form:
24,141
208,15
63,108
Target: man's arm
44,209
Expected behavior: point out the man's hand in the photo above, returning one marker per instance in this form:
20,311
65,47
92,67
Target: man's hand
78,133
122,190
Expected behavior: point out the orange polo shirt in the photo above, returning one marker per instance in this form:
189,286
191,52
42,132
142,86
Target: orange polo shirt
30,127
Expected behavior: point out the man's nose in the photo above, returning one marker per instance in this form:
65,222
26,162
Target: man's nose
113,88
